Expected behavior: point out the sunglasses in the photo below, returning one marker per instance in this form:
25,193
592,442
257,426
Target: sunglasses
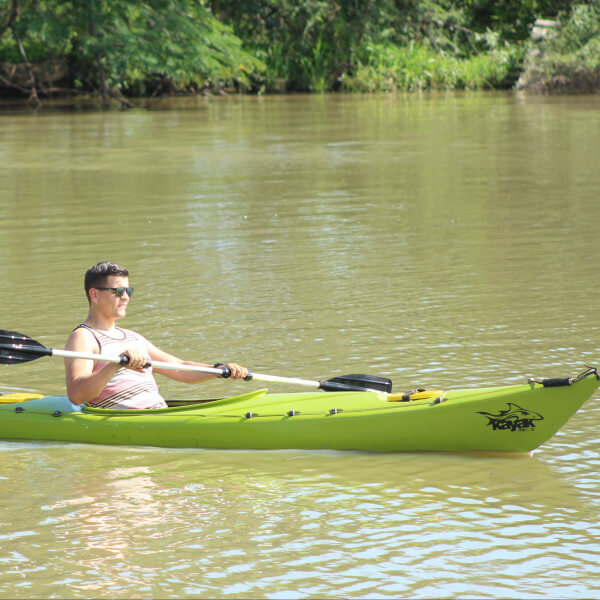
118,291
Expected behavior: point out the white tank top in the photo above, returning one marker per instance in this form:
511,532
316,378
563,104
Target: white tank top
127,388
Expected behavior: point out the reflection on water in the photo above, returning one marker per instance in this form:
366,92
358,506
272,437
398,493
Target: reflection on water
441,240
140,523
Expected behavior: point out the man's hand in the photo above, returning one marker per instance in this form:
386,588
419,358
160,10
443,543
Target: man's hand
137,359
237,371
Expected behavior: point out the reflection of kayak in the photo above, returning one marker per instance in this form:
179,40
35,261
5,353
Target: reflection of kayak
515,418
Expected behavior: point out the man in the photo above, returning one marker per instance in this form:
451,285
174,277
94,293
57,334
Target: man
109,385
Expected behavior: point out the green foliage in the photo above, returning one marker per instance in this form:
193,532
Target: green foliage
326,44
581,27
305,44
178,41
39,29
571,60
137,48
417,66
511,20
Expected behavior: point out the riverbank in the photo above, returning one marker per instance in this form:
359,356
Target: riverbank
118,56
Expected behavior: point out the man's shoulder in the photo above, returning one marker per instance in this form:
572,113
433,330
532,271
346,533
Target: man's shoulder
81,335
79,331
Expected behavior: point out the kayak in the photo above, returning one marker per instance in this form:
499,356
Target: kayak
514,418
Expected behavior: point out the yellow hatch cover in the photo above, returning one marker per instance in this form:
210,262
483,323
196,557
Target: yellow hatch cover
415,395
19,397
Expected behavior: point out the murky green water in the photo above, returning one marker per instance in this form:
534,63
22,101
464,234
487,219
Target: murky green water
442,241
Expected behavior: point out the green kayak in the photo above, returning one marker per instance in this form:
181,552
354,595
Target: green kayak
516,418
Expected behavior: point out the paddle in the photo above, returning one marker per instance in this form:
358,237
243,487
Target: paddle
16,348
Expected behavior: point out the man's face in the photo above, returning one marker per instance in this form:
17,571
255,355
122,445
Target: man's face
108,302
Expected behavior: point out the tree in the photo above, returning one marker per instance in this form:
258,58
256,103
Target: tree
12,14
307,43
124,47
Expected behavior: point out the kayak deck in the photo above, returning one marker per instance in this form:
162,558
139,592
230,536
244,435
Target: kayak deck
514,418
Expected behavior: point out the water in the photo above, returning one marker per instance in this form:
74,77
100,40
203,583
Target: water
444,241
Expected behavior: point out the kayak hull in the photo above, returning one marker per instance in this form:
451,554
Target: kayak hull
508,419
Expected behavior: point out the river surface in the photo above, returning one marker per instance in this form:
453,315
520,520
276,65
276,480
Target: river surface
444,241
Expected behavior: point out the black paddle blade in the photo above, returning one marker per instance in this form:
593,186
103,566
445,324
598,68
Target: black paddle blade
357,383
16,348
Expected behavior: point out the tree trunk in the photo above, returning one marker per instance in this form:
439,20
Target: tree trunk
33,97
104,91
13,13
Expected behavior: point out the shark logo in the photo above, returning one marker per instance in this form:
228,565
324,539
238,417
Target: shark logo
513,418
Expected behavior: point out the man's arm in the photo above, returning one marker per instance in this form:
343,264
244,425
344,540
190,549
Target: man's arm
237,371
83,384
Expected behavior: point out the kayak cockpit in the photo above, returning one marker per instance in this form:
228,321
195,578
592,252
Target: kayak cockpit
30,402
178,405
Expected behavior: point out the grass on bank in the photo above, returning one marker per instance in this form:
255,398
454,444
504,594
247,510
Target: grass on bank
386,68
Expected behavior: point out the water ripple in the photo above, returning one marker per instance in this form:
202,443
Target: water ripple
310,236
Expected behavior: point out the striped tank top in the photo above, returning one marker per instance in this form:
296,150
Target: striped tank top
127,388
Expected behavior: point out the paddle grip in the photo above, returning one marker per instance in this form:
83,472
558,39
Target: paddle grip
124,361
225,370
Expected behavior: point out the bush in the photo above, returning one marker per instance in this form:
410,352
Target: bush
385,68
129,46
570,61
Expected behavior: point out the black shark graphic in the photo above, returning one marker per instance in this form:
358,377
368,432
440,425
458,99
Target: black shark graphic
514,418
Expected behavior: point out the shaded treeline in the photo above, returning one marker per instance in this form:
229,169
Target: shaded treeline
123,48
117,48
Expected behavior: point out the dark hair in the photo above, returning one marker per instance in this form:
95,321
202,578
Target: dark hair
96,275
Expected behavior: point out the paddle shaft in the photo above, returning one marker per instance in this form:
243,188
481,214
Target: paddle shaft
122,360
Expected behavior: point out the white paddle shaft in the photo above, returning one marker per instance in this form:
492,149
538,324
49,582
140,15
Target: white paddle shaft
179,367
